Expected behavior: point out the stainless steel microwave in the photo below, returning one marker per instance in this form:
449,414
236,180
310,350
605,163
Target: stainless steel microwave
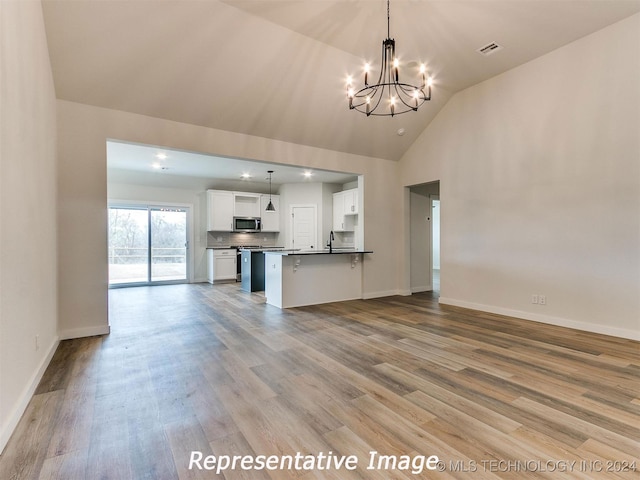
246,224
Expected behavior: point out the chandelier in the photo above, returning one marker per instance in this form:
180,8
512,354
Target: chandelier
389,93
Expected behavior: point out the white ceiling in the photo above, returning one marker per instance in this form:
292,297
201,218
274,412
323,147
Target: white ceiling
276,68
140,164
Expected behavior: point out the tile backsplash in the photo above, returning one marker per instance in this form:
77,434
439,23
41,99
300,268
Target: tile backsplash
269,239
223,239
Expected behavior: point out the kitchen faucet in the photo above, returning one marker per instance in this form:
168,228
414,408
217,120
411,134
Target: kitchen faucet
330,242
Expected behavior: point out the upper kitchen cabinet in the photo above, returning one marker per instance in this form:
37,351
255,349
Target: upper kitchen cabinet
246,204
345,209
270,219
350,201
220,208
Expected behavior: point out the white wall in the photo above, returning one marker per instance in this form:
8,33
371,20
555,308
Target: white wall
27,209
82,134
540,186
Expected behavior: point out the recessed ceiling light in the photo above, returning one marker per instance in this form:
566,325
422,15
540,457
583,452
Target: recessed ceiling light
245,175
307,174
161,156
156,165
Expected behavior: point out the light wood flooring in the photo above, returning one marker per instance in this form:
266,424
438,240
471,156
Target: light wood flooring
214,369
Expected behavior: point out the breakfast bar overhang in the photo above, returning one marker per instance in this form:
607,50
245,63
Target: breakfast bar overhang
298,278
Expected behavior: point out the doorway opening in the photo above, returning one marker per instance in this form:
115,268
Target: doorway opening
147,245
424,223
435,242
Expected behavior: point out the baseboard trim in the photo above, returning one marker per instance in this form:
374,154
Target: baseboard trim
84,332
557,321
423,288
387,293
26,396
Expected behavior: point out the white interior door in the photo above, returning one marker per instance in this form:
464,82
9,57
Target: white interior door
303,227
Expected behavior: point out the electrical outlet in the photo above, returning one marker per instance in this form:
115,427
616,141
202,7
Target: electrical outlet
542,299
534,298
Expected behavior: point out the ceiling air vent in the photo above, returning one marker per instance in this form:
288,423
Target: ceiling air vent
489,49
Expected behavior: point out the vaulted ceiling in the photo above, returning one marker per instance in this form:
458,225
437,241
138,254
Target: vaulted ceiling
277,68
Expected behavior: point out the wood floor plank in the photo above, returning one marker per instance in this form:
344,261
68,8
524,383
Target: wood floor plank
495,419
236,444
72,431
184,436
258,430
628,445
344,441
32,437
215,369
70,466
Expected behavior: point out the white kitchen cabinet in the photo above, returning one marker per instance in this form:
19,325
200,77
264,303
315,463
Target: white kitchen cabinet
221,265
270,220
350,201
220,208
343,206
246,204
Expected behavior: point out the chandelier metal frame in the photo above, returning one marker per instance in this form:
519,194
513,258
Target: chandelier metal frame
402,97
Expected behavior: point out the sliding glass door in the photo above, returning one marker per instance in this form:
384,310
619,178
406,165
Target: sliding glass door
147,245
168,245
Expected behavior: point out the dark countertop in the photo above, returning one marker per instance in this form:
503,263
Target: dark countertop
336,251
232,247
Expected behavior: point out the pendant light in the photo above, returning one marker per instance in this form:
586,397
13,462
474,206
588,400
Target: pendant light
270,207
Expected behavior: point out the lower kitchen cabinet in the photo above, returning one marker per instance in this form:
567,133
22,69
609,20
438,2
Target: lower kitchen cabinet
221,265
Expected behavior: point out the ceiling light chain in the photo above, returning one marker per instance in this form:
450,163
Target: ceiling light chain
401,97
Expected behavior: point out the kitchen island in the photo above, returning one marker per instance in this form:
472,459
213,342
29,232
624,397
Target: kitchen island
252,270
297,278
252,267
